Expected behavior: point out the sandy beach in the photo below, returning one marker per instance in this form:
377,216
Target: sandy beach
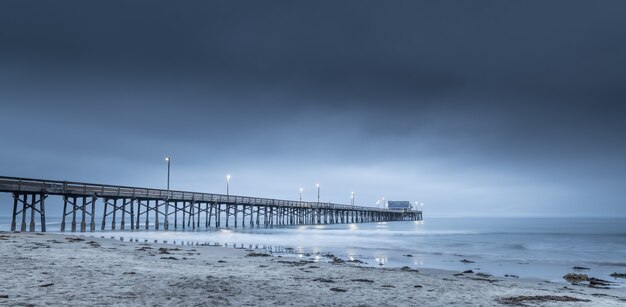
52,269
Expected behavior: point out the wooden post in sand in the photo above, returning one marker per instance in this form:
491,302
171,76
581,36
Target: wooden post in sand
42,211
104,215
14,218
156,214
138,213
113,213
147,214
175,215
132,213
207,216
123,212
83,224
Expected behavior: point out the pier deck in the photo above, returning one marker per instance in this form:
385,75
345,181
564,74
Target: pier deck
141,208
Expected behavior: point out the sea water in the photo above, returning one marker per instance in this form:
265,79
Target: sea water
544,248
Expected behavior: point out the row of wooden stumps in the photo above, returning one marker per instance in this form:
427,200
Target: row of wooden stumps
158,212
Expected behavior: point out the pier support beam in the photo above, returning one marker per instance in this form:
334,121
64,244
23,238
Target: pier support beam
35,199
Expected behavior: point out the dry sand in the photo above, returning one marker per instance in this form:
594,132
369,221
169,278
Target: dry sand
52,269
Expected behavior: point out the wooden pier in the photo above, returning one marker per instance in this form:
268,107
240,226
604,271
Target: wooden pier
124,208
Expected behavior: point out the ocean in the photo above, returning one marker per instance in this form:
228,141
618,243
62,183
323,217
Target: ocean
542,248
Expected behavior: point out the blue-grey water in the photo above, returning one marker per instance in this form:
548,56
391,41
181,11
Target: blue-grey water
545,248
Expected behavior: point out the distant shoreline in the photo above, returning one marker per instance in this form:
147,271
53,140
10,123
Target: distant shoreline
60,269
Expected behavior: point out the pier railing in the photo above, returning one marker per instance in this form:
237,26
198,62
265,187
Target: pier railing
56,187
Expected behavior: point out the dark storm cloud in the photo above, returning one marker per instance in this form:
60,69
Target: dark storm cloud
500,102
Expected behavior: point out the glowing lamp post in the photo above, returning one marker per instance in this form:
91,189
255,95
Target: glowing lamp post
227,185
169,162
318,193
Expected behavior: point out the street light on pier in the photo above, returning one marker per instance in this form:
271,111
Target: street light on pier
301,194
384,207
169,162
227,185
378,204
318,193
352,199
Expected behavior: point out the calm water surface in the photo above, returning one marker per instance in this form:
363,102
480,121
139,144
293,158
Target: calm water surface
545,248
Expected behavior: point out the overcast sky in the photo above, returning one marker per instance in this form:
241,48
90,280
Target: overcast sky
475,108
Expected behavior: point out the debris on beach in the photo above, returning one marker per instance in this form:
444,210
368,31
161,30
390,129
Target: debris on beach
580,268
363,280
94,244
46,285
72,240
600,283
255,254
326,280
355,261
575,278
522,299
169,258
466,261
338,290
593,282
4,296
511,276
468,272
407,255
485,275
618,275
388,286
408,269
163,250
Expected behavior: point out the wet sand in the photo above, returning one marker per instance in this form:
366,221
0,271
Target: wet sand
53,269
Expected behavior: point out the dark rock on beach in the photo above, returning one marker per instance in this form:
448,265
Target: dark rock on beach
600,283
169,258
521,300
408,269
253,254
466,261
575,278
468,272
338,290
